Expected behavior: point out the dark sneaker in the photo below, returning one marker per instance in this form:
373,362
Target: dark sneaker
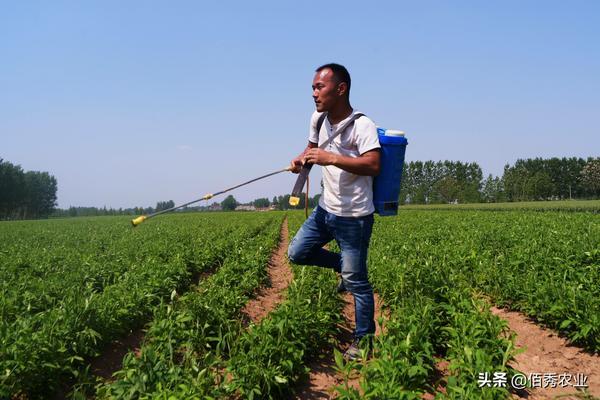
353,353
358,348
340,286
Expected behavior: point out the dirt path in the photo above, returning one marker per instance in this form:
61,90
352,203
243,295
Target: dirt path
323,377
111,359
546,353
280,277
439,378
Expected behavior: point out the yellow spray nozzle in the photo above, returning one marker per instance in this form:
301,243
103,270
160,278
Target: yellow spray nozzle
294,201
136,221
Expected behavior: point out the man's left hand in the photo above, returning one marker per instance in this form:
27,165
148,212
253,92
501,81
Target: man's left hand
319,157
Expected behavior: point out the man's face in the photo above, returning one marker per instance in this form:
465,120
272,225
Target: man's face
326,90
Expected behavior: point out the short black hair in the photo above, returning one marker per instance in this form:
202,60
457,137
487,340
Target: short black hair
339,72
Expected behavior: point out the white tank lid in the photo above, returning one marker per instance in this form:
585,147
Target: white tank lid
392,132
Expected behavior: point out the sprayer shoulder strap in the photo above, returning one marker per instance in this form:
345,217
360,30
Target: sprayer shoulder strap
337,131
320,123
301,180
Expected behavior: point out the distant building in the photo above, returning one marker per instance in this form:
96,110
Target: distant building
245,207
215,207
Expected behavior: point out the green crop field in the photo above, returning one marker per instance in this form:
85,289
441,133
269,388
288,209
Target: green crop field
559,205
69,288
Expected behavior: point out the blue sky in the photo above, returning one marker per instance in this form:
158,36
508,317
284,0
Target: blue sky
130,103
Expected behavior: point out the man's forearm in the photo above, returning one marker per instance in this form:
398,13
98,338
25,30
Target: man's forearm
368,166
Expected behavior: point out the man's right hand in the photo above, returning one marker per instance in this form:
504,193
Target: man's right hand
296,165
298,162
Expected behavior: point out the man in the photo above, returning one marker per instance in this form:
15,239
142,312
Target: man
345,210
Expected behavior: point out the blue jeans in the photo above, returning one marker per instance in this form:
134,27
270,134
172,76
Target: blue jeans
352,235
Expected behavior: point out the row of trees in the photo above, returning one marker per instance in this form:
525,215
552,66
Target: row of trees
541,179
25,194
96,211
32,194
440,182
529,179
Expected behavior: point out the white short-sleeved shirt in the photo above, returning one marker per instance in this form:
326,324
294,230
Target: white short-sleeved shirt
346,194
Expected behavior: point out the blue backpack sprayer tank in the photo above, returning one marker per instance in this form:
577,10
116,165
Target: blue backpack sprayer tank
386,186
